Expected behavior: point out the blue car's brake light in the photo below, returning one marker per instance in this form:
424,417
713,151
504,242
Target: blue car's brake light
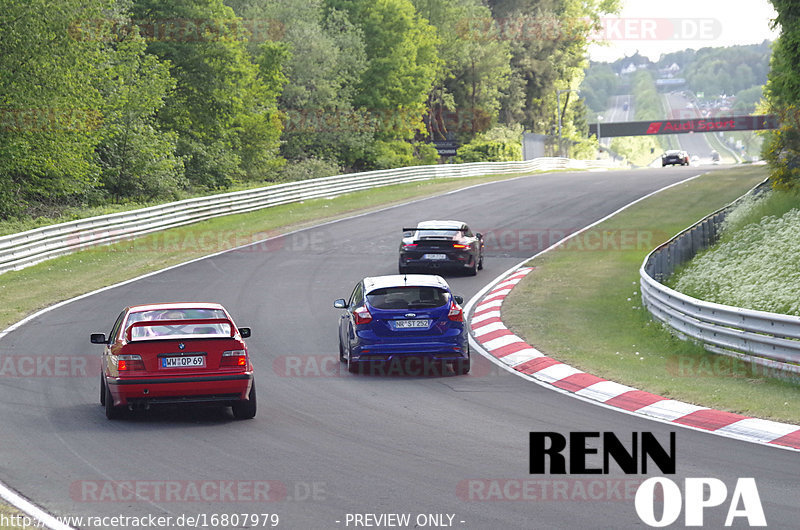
362,316
456,314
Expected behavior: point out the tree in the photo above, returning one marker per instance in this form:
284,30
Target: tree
136,158
222,110
49,105
727,70
549,40
323,62
475,71
782,146
599,84
402,63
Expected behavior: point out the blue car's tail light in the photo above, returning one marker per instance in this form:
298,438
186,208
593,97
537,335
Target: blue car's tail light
456,314
362,316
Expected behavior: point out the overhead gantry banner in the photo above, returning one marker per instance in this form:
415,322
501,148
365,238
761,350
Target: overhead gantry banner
694,125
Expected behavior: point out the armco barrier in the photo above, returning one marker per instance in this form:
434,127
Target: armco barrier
33,246
766,339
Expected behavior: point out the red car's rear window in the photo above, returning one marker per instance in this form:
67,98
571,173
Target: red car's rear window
191,328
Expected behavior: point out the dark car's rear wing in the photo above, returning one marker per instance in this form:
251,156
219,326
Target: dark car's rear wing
180,322
450,228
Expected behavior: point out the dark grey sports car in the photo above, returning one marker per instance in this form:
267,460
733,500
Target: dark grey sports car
439,245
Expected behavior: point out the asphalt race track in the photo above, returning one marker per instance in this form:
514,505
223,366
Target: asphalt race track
692,143
326,443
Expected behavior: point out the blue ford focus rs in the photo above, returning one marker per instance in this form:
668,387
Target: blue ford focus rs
398,318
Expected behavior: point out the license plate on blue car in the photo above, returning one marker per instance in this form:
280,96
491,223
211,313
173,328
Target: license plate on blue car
411,323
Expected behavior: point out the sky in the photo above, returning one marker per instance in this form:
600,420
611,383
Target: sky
654,27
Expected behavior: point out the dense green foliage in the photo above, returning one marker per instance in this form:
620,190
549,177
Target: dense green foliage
109,101
499,144
781,148
601,82
49,91
727,71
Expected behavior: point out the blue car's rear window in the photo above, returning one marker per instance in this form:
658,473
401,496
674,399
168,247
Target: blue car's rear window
407,297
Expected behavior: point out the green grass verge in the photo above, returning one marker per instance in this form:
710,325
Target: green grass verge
8,513
775,203
66,214
582,305
25,291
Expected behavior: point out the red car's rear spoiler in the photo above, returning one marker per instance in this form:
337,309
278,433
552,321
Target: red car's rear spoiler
181,322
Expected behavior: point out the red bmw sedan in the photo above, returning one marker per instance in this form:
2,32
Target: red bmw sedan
176,353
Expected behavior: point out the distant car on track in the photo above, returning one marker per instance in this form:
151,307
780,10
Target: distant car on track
441,245
397,318
673,157
176,353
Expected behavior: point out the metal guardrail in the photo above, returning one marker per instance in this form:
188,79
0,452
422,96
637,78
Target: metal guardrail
760,337
33,246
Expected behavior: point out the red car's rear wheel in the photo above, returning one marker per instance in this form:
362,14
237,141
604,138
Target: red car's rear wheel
246,408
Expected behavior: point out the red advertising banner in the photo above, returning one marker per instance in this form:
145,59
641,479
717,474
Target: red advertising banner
685,126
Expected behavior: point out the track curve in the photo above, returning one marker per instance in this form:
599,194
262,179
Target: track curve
326,442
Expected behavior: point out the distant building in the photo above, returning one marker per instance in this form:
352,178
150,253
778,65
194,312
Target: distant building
670,71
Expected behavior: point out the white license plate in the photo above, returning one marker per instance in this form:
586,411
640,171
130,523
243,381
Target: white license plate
434,256
184,361
411,323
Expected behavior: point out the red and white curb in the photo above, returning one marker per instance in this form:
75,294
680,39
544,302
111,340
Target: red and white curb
490,332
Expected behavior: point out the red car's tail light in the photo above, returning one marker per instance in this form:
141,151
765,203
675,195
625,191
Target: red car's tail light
460,246
456,314
408,246
126,363
362,316
233,359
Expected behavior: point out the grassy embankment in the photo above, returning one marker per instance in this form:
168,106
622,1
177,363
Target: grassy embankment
11,515
582,305
755,264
